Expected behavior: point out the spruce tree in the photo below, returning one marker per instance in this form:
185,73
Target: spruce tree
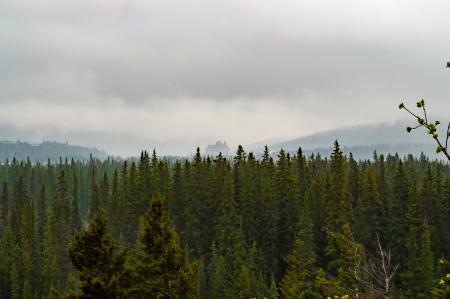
99,264
4,206
288,203
160,268
15,282
267,233
298,282
369,210
339,207
75,218
218,285
96,197
345,272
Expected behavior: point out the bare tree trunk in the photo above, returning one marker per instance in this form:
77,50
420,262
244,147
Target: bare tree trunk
382,272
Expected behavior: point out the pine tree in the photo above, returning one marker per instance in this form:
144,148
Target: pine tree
412,263
202,283
288,204
339,207
218,285
15,282
28,244
20,199
96,197
369,210
160,268
251,278
298,282
60,227
346,274
418,275
100,265
239,162
267,234
397,207
273,290
229,238
4,206
75,218
132,206
27,293
42,213
303,175
426,257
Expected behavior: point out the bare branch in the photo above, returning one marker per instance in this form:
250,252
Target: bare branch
382,272
431,127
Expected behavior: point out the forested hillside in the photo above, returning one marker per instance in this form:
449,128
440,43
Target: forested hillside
46,150
292,227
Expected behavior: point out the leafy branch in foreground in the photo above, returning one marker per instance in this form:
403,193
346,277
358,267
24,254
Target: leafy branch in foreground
431,126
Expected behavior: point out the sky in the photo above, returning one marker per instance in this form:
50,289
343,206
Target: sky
177,74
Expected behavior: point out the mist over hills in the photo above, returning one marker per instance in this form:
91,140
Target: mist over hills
42,152
361,140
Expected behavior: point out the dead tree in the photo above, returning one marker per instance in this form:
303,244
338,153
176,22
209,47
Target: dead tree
382,272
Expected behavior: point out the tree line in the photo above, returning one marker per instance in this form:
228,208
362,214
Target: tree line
213,227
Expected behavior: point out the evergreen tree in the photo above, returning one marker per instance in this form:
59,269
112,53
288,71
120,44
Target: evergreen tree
75,218
160,268
28,246
339,208
15,283
346,274
369,210
396,213
418,275
218,285
298,282
96,197
273,290
229,234
288,203
267,233
4,206
100,265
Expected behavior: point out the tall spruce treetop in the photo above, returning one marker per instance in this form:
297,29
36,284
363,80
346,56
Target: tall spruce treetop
160,268
298,282
339,208
100,265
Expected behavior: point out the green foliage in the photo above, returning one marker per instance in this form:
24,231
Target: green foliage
298,282
160,268
431,127
273,223
442,290
347,274
100,265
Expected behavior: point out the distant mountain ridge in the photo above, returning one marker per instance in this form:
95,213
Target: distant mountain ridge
46,150
362,141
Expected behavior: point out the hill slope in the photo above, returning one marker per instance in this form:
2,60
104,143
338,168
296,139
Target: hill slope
46,150
362,141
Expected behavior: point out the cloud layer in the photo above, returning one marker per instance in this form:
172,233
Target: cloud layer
177,73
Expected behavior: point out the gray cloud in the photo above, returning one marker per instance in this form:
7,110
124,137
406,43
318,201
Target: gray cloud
314,57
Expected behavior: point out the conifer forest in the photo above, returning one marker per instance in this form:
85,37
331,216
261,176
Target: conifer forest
224,149
289,226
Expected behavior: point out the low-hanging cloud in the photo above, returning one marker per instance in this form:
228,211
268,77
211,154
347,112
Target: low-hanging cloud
194,71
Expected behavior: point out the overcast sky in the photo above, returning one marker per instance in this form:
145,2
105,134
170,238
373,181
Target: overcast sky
127,75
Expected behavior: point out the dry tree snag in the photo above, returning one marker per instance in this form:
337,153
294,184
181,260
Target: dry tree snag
382,272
